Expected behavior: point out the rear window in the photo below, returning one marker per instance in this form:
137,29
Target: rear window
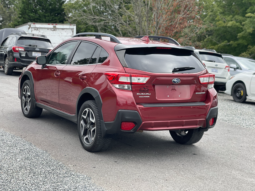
35,42
158,60
210,57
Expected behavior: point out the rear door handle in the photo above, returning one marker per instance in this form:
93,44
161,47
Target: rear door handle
57,73
82,76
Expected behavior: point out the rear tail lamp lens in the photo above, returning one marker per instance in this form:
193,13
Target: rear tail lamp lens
124,81
227,68
127,126
207,79
17,49
211,122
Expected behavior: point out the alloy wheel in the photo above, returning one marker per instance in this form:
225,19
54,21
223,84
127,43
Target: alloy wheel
26,99
182,133
88,126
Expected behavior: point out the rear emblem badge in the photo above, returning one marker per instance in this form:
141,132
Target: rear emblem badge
176,81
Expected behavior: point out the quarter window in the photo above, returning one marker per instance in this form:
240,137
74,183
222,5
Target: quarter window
103,56
61,54
84,53
94,58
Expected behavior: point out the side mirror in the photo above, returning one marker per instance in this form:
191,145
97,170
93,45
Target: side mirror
41,60
233,66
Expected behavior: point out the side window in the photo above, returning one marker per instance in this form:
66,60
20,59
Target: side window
103,56
83,54
61,54
230,61
7,42
94,58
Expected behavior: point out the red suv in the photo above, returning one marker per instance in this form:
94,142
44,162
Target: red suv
121,85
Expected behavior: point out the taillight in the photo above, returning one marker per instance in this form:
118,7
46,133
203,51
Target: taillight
17,49
227,68
207,79
124,81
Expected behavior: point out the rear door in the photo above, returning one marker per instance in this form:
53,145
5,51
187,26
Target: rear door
164,85
214,64
76,75
3,49
33,47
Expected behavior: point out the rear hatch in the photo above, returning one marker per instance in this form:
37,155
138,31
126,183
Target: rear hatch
215,64
167,84
173,75
33,47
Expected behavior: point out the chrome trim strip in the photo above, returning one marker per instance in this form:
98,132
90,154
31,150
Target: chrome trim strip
200,92
173,104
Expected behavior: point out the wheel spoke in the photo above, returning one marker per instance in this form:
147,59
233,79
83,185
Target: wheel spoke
92,117
82,127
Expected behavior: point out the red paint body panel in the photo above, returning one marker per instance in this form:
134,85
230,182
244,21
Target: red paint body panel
60,86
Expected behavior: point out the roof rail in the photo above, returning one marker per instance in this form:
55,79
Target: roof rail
18,33
98,35
157,38
212,50
38,35
190,47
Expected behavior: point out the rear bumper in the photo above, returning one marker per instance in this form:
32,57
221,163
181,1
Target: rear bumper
133,116
18,64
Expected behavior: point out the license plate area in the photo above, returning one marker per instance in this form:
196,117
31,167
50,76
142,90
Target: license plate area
214,70
36,54
174,92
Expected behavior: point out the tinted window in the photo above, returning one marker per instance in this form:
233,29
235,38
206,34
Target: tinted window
247,63
83,54
7,42
35,42
94,58
162,60
103,56
211,57
230,61
61,54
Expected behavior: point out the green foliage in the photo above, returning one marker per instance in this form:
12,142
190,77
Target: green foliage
229,26
43,11
8,11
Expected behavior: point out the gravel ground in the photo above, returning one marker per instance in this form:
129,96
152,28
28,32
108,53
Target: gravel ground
241,114
25,167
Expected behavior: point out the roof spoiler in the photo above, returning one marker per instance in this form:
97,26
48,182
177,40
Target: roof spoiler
157,38
99,36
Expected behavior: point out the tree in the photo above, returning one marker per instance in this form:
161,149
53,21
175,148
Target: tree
44,11
8,12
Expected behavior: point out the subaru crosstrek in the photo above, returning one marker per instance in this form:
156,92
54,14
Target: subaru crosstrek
121,85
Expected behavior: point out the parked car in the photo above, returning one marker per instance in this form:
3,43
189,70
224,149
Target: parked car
239,64
216,65
19,50
125,85
56,32
242,86
4,33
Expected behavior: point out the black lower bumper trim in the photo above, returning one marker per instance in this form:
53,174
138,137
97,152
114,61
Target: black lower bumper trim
213,113
123,116
18,64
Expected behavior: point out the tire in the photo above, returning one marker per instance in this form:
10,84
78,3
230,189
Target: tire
7,70
239,93
28,105
187,137
89,128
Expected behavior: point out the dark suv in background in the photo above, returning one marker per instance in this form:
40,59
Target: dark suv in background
18,50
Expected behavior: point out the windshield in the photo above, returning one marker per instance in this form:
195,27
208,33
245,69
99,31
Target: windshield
35,42
158,60
211,57
246,63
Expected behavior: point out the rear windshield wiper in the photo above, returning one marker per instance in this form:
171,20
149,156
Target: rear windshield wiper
209,60
31,45
182,69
